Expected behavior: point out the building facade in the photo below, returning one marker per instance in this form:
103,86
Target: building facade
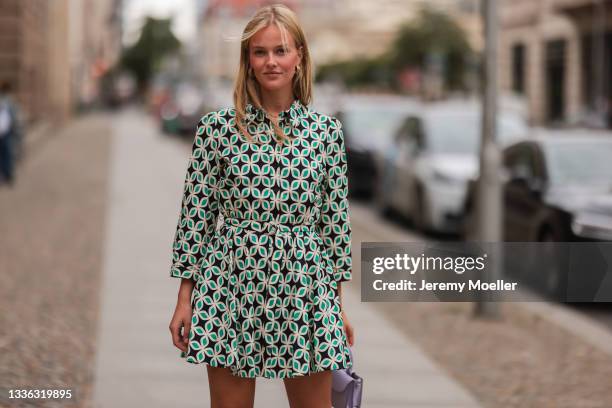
54,52
557,54
23,52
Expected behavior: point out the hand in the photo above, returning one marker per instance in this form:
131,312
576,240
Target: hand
181,319
348,329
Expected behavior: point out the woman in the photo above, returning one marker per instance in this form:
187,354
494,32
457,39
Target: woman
267,276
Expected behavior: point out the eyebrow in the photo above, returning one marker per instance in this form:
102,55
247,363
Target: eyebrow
276,46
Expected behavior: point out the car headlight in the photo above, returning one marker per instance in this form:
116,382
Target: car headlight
593,226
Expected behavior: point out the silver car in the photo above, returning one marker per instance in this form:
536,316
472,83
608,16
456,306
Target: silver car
369,122
433,156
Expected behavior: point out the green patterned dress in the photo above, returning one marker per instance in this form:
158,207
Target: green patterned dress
264,232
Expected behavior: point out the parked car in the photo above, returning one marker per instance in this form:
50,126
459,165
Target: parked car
558,188
433,156
368,123
181,112
159,93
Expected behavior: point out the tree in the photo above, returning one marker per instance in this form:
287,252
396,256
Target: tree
155,42
358,72
433,33
433,39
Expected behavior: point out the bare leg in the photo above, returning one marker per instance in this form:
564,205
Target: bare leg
311,391
229,391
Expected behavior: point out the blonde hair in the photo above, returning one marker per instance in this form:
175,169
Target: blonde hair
246,88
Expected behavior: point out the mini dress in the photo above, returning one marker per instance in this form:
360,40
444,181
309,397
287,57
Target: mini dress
264,232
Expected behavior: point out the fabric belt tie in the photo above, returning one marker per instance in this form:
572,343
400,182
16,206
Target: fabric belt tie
271,227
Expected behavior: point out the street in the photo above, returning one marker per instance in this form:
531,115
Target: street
142,366
454,156
428,345
409,353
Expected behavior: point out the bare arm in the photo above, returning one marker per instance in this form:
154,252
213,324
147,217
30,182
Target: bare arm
185,289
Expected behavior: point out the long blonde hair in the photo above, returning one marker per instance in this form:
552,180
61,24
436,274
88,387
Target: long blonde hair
246,88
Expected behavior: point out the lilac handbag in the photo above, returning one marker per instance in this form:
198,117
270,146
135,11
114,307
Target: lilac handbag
347,387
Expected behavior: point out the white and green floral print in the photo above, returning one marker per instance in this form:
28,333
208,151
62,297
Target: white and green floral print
264,232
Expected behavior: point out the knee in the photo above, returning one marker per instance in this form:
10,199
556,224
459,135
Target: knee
231,401
312,401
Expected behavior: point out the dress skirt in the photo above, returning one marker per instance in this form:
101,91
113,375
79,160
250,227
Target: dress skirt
265,304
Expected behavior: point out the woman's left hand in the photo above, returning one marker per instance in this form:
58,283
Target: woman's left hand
348,329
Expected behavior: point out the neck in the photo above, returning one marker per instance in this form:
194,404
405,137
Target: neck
276,102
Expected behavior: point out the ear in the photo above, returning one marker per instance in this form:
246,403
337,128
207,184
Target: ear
300,51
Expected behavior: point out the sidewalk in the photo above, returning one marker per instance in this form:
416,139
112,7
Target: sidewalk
52,227
136,363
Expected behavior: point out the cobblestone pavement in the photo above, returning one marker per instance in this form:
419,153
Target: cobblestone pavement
50,257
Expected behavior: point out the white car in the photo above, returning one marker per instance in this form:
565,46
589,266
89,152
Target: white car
434,155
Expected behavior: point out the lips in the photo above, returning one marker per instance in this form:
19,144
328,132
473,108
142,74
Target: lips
272,73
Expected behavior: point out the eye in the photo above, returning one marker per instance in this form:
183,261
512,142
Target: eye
281,51
259,52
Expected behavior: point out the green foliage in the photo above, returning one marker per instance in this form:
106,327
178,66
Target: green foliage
431,34
155,42
361,71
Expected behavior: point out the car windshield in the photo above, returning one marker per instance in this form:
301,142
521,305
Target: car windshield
580,163
460,132
371,128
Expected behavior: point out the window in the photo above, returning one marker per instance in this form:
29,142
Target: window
518,68
409,138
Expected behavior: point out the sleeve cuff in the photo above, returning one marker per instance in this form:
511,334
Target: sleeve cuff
178,270
342,276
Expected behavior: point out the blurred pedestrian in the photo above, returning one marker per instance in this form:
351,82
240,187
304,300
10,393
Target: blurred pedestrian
9,133
260,295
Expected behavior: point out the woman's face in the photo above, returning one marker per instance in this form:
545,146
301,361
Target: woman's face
273,65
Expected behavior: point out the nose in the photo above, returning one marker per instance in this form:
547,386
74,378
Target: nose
271,60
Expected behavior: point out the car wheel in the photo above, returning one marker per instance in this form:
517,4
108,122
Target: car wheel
554,277
381,204
420,214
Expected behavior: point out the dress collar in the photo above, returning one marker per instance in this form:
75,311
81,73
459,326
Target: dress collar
292,115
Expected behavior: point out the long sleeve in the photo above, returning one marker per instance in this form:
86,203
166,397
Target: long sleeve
335,225
200,203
